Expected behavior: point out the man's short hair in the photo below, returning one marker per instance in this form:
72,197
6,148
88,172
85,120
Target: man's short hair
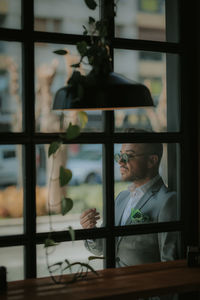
153,148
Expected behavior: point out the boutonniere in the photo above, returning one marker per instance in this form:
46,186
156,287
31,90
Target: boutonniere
137,216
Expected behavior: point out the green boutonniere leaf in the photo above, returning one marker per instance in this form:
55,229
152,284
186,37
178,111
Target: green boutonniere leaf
138,216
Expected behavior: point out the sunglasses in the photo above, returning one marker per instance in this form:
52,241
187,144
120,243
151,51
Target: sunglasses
124,157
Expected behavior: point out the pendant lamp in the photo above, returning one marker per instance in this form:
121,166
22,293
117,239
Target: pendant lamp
109,92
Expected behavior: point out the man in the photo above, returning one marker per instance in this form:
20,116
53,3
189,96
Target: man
146,200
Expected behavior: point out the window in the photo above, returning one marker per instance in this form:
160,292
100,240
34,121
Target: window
152,6
47,24
32,125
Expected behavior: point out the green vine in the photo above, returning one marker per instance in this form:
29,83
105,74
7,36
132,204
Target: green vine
96,54
66,203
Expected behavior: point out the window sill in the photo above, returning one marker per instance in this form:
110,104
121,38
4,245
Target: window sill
137,281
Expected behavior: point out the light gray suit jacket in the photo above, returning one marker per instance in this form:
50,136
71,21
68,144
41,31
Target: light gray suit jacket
160,205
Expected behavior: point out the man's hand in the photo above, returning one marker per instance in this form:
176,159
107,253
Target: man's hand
88,218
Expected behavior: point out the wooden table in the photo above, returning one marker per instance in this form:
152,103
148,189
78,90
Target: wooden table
132,282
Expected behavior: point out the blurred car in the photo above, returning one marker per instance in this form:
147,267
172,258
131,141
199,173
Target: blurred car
9,165
10,170
86,165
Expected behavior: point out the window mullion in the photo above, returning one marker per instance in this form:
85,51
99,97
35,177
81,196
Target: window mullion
29,148
107,10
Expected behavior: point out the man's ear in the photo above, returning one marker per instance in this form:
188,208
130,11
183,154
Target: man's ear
152,161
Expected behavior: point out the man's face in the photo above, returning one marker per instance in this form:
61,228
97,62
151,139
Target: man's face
136,168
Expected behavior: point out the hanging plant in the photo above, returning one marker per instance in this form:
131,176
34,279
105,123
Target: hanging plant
96,54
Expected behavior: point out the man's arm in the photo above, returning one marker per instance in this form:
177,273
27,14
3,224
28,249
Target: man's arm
88,219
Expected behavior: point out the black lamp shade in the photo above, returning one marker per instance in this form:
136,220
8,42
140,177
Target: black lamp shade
112,92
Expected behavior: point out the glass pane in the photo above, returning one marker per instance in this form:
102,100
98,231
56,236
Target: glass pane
52,73
85,187
147,248
12,259
147,187
11,190
10,87
72,251
62,16
159,72
141,19
10,12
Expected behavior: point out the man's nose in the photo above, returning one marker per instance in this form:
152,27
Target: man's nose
121,161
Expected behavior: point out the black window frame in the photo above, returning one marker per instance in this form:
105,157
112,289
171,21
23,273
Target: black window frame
186,137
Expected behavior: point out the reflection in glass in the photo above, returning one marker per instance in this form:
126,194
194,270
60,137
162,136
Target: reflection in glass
147,248
10,87
74,252
62,16
147,186
141,19
10,12
149,68
12,259
53,72
11,190
85,187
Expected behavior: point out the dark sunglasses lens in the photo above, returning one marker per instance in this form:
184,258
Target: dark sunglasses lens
117,157
124,158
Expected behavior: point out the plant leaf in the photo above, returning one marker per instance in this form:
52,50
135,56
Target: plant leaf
91,20
72,131
68,264
72,233
49,243
82,265
82,48
66,205
85,32
53,148
95,257
89,267
65,176
60,52
91,4
83,118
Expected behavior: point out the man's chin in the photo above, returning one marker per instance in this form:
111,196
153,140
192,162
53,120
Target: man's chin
124,177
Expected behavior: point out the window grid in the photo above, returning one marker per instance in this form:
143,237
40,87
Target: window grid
29,139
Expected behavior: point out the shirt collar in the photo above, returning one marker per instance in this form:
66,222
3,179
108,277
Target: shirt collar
143,188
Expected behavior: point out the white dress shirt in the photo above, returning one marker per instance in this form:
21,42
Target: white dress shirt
136,195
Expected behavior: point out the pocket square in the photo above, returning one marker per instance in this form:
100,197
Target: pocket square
138,217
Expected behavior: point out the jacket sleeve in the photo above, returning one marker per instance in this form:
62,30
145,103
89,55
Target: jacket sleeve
95,246
168,241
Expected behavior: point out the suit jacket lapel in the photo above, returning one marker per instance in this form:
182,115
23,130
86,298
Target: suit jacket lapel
146,197
119,209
